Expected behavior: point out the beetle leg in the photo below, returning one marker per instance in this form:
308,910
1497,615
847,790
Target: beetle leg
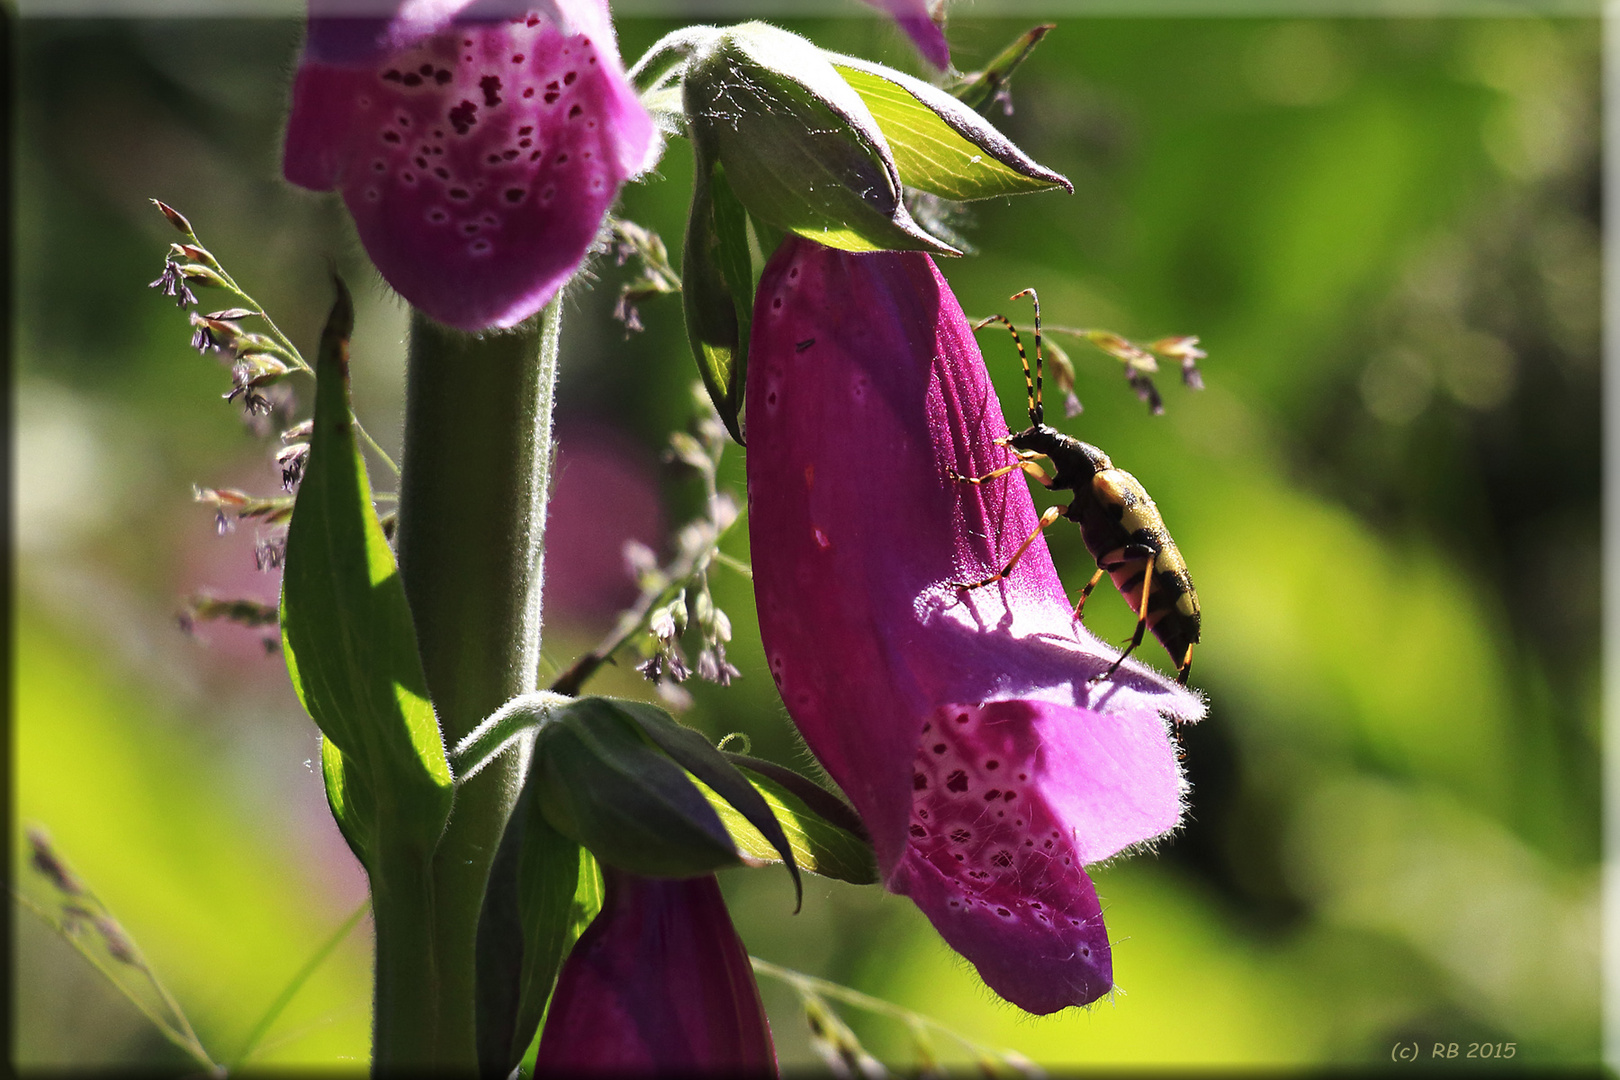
1141,625
1080,604
1026,461
1051,515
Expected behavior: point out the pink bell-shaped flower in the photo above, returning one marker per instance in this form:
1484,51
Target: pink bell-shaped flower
962,724
659,982
477,145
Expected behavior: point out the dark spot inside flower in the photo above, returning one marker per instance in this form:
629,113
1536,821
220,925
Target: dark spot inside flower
960,857
407,177
421,162
425,69
961,718
437,216
552,96
460,194
926,728
992,795
467,42
442,173
1047,845
528,92
918,831
526,129
525,143
770,399
1029,843
509,155
919,782
575,111
391,75
1036,904
793,273
517,58
493,159
514,194
413,79
379,165
491,86
1009,796
468,228
478,247
442,76
463,117
956,903
391,137
1023,776
561,159
592,60
535,156
776,303
1085,950
957,781
533,20
939,748
568,79
438,133
1003,912
923,814
960,836
992,765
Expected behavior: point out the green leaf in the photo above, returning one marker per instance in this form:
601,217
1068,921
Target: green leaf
800,148
694,753
349,796
717,290
981,89
818,843
604,785
529,919
940,145
349,643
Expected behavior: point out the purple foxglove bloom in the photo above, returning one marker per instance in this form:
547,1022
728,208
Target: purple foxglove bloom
658,982
916,19
477,145
960,723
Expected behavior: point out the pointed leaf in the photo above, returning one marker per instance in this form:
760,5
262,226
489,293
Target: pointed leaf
603,784
349,642
524,930
940,145
349,796
717,289
818,845
696,755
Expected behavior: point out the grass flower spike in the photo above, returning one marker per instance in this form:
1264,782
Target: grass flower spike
962,723
477,146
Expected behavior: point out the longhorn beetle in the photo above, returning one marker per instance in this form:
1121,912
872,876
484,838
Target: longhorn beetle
1118,521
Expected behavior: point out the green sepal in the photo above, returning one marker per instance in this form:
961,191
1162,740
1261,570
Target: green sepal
717,288
979,90
543,891
347,635
800,148
694,753
826,836
941,145
606,786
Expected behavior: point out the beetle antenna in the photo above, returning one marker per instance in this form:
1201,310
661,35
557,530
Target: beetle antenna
1038,408
1032,385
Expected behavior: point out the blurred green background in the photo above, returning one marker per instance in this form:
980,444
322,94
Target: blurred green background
1386,233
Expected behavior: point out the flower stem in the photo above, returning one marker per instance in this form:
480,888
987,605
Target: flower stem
477,466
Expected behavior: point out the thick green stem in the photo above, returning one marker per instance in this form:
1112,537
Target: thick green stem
406,1031
472,513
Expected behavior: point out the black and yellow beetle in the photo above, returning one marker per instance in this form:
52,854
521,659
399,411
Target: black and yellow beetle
1118,522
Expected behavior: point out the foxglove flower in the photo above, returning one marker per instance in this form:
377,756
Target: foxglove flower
477,145
962,724
916,18
658,982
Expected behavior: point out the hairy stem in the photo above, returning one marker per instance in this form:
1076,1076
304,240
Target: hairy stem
476,470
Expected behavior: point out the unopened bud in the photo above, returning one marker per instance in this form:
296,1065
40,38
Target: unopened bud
176,218
202,275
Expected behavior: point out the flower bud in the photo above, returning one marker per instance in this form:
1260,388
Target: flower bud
800,149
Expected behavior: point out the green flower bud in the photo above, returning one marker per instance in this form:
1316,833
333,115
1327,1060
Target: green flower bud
800,148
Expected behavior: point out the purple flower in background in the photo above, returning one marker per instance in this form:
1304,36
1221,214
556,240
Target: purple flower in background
961,724
476,145
658,982
916,18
